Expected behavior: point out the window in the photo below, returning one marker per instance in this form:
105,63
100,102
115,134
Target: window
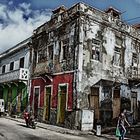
117,56
50,52
3,68
107,92
117,51
118,41
42,55
134,60
96,50
64,49
21,63
11,66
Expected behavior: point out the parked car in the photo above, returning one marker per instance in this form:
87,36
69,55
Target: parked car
1,106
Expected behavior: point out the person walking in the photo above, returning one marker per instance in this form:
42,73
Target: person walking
121,124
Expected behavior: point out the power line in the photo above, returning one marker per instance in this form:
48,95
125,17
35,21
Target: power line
132,19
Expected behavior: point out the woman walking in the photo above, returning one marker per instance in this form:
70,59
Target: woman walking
121,124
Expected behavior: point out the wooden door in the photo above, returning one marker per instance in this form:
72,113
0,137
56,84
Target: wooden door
134,104
116,103
47,102
61,104
94,101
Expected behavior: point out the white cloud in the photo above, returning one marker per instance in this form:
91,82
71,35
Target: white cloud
18,23
138,1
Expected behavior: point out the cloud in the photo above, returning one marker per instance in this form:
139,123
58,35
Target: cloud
17,23
137,1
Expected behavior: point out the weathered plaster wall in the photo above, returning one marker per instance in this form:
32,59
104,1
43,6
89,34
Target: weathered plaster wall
101,26
15,57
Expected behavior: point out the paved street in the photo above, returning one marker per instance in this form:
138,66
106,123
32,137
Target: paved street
12,130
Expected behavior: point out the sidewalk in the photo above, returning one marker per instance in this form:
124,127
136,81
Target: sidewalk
64,130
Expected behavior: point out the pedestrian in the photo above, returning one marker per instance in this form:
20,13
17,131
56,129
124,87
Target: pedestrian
121,124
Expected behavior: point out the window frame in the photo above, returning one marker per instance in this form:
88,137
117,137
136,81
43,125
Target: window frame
64,49
117,51
50,55
11,66
96,50
67,86
134,58
3,69
36,87
22,62
51,86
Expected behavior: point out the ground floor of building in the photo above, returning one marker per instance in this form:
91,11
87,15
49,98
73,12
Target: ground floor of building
15,96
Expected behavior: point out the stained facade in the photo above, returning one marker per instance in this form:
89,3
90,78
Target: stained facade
102,54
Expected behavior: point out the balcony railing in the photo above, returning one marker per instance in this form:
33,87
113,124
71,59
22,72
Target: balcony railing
20,74
133,73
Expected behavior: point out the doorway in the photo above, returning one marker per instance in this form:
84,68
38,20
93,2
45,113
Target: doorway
94,101
62,102
47,102
36,100
134,105
116,103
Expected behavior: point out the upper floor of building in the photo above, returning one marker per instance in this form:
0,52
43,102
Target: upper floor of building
85,36
79,38
14,63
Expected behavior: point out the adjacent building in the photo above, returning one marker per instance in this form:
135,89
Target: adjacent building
14,76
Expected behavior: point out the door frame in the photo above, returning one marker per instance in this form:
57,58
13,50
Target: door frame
134,96
44,115
35,87
58,100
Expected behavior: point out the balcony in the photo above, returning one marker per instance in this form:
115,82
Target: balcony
133,73
43,67
19,74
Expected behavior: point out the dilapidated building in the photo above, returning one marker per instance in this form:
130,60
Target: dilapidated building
14,77
85,58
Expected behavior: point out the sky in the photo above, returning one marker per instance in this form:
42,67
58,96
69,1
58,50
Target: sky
18,18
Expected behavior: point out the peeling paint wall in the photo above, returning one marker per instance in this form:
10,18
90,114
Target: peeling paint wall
99,48
111,37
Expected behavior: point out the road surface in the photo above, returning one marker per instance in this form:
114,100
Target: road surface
12,130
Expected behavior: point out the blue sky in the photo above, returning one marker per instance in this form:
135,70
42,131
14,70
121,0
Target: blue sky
18,18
